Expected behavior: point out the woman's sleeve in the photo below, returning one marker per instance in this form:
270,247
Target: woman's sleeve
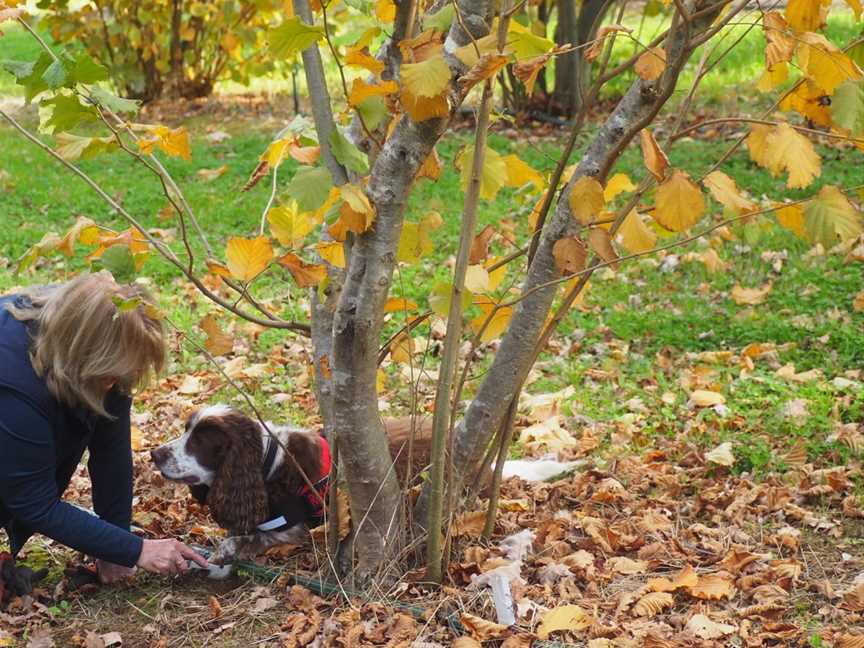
28,489
110,464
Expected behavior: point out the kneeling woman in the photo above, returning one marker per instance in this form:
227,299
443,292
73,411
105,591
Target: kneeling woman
69,360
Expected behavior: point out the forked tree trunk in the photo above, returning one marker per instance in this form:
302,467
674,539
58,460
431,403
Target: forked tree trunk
374,492
512,362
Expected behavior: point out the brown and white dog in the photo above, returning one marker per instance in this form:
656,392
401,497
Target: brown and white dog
253,490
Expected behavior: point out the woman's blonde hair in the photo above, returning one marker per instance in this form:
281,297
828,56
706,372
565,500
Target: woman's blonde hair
92,333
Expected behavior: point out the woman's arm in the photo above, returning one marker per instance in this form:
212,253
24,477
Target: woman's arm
110,463
28,489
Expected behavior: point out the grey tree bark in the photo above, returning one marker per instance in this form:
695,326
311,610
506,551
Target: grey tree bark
512,362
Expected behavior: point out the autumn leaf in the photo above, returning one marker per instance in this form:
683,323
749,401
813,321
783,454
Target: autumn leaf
586,199
600,241
289,226
704,628
439,299
653,604
830,218
361,90
332,252
428,79
476,279
415,241
847,107
480,245
494,174
247,258
713,587
292,37
706,398
218,342
635,235
792,218
171,141
726,192
780,46
399,305
680,203
784,148
305,274
209,175
806,15
494,319
481,629
655,159
520,173
750,296
651,64
85,231
600,40
528,70
618,184
569,254
487,67
360,57
824,63
564,618
356,212
809,100
385,10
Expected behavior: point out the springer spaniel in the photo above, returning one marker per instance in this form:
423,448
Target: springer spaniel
253,490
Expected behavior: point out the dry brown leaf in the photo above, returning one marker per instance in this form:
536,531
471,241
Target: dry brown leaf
651,64
565,617
712,588
483,630
704,628
652,155
653,604
215,607
569,254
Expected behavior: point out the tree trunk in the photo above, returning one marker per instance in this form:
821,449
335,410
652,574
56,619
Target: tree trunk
512,362
566,97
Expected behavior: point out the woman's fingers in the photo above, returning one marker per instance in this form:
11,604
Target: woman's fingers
193,555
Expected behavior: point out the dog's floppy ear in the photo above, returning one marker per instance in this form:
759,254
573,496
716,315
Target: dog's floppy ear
238,497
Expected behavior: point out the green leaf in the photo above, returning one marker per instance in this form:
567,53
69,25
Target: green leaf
28,74
373,111
85,70
347,154
310,187
830,218
527,45
112,102
55,75
440,20
118,260
66,113
293,36
847,107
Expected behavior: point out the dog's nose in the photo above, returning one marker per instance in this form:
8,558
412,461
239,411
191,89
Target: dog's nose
159,455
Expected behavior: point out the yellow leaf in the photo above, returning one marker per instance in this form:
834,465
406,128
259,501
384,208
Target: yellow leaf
569,618
332,252
497,275
289,226
305,274
726,192
680,204
399,305
750,296
360,57
247,258
421,109
651,64
498,320
218,342
431,167
84,230
218,269
414,241
655,159
439,299
824,63
806,15
618,184
173,142
569,254
601,242
385,10
428,79
772,77
780,46
520,173
809,100
480,629
494,176
792,218
356,211
361,91
788,149
402,348
757,144
276,152
635,236
586,199
477,279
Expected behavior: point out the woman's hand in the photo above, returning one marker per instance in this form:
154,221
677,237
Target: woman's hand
168,557
111,573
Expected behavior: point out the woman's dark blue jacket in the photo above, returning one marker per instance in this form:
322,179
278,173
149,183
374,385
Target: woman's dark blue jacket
42,442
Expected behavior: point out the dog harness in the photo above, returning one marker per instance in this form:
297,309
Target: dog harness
313,500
